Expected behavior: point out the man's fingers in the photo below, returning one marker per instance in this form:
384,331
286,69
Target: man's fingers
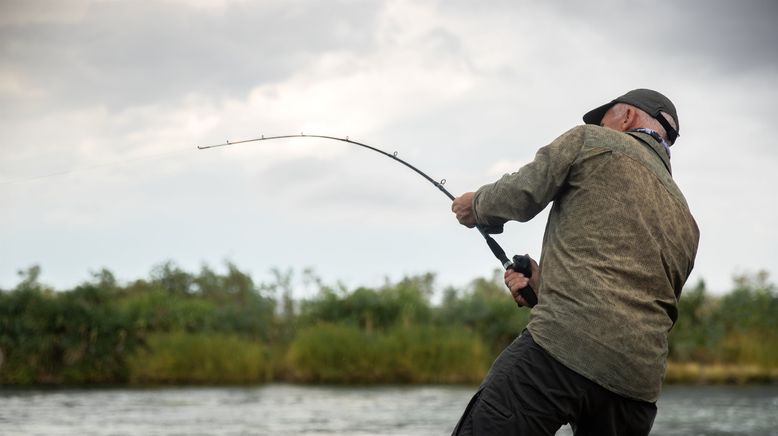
516,281
462,207
518,298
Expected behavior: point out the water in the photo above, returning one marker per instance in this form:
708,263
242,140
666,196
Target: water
302,410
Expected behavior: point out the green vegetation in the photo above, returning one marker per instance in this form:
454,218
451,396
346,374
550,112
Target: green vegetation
211,358
332,353
210,328
733,338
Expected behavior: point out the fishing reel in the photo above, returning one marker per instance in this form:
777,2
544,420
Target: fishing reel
522,264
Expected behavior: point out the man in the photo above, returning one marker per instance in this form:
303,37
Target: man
619,245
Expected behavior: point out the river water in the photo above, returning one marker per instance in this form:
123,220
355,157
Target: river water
279,409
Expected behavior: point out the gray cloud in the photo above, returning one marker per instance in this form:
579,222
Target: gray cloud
129,53
737,35
732,35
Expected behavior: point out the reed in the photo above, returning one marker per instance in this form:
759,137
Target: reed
181,358
332,353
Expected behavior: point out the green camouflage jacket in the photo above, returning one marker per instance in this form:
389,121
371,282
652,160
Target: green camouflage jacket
619,245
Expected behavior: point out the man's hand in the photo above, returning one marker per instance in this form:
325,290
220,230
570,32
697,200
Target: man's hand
463,208
515,281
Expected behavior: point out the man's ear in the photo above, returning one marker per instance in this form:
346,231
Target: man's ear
630,116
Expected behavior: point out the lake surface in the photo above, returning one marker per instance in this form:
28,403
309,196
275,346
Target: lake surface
280,409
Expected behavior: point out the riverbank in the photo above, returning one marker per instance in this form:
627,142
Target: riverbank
332,355
210,329
718,374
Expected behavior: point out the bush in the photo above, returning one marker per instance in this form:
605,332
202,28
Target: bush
73,338
487,309
403,303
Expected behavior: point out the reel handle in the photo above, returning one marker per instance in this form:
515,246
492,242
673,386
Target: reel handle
521,264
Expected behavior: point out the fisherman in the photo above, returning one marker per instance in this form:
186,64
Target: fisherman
620,243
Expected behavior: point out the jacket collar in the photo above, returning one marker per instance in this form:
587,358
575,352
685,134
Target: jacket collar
656,146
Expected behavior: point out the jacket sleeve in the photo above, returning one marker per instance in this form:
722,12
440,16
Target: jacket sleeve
522,195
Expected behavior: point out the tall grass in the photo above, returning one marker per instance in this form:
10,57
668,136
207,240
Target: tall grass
181,358
331,353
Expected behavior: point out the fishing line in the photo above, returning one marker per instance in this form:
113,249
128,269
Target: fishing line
518,263
88,168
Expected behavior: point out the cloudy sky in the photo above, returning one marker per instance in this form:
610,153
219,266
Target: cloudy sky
102,105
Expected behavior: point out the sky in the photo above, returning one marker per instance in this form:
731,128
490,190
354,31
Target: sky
103,103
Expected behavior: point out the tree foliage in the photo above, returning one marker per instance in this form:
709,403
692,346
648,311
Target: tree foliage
740,327
87,334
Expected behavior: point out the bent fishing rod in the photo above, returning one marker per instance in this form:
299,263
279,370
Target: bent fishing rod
518,263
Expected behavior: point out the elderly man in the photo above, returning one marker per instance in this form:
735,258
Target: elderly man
619,245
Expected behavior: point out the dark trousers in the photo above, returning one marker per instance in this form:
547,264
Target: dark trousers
528,392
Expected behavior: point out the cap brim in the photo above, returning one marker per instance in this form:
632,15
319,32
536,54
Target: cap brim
594,116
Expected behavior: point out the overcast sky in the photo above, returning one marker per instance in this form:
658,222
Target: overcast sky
102,105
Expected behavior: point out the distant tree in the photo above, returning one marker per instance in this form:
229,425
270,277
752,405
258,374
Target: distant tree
105,280
29,278
402,303
169,277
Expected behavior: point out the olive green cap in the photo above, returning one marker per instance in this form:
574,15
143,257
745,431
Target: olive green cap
651,102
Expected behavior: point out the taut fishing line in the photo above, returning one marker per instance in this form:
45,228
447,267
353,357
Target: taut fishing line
74,170
518,263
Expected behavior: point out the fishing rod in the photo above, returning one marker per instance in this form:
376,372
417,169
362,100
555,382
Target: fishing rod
518,263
